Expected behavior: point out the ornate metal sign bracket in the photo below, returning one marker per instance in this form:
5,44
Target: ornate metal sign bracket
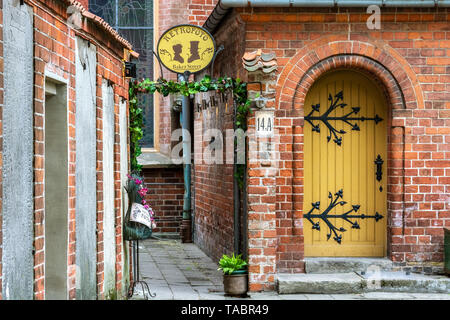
219,50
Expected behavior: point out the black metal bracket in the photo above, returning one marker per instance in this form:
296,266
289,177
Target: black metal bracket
136,277
219,50
160,65
325,118
325,216
379,162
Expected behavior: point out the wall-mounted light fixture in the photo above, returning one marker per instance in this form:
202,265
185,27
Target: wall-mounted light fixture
130,70
259,101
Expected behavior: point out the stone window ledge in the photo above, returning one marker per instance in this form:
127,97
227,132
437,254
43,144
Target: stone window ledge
155,159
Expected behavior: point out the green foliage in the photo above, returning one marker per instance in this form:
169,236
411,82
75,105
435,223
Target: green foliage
231,264
112,295
136,128
166,87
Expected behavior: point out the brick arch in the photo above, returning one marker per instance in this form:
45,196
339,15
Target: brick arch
333,52
373,69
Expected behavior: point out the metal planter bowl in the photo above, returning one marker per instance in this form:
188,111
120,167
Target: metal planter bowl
236,284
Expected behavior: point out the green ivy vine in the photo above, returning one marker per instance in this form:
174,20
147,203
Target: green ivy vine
186,88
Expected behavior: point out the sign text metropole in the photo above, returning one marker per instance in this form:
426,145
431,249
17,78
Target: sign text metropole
186,48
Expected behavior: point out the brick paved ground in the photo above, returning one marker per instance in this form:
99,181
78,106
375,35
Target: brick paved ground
176,271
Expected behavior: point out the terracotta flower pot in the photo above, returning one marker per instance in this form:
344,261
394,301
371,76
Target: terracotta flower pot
236,284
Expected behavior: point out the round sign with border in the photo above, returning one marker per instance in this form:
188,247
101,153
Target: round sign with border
186,48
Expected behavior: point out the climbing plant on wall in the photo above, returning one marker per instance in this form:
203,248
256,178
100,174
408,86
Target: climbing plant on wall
186,88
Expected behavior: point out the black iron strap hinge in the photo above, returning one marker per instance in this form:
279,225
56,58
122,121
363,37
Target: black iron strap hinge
349,119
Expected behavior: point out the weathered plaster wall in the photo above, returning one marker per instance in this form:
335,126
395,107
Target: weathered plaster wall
123,122
56,190
108,192
1,146
17,259
85,172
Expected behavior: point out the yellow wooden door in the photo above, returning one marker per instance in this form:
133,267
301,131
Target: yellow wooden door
345,148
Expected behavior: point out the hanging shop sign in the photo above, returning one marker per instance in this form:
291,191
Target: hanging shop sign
186,49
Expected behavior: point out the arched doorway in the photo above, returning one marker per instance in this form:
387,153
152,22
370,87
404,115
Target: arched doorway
345,175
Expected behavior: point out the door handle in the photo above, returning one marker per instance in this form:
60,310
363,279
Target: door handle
379,162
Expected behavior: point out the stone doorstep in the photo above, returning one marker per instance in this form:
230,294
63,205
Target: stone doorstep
346,265
384,281
167,235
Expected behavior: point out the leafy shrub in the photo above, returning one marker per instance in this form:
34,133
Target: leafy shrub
231,264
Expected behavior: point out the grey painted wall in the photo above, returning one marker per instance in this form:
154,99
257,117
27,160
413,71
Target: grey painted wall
123,122
109,239
85,172
56,192
18,152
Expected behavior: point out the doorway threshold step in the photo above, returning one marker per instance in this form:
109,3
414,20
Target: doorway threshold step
346,265
352,282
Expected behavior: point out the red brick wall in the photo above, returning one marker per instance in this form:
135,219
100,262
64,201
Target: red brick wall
1,143
213,186
199,10
165,196
54,51
412,57
213,183
85,3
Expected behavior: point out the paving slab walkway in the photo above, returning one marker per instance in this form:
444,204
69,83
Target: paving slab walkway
177,271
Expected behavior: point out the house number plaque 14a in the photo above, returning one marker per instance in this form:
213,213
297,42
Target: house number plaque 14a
264,124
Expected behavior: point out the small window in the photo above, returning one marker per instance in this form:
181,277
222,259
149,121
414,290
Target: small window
133,19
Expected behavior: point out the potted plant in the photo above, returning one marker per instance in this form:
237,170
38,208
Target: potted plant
235,275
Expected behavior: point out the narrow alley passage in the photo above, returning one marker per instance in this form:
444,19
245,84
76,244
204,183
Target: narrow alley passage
178,271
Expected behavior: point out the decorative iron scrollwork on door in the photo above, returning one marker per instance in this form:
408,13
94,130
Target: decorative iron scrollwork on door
325,216
335,103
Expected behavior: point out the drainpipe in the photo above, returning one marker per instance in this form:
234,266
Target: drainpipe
245,217
186,233
332,3
225,6
236,197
